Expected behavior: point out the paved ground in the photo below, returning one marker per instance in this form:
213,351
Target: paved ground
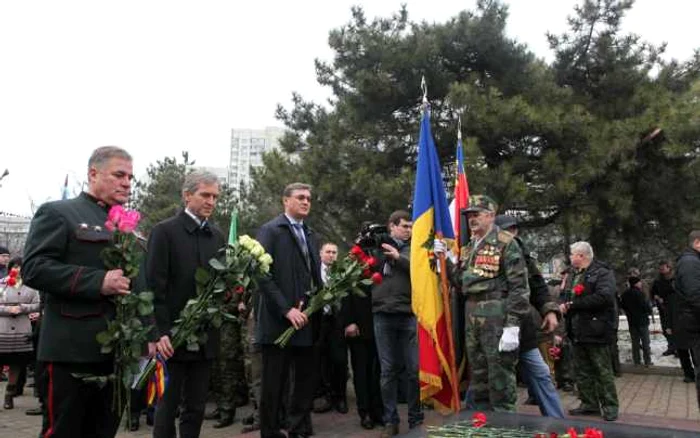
645,399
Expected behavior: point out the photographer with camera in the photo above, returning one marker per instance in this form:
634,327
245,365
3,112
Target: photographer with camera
394,321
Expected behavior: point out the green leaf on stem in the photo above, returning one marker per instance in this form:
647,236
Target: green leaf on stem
202,276
217,265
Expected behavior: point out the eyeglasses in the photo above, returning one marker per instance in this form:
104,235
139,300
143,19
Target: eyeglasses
302,198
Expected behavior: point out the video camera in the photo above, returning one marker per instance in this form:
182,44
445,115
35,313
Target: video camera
372,236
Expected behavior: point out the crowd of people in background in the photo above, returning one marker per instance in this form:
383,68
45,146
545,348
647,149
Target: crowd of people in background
561,335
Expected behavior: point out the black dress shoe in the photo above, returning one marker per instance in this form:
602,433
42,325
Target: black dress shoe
34,411
367,423
213,415
688,379
342,406
610,417
225,419
134,423
322,407
250,428
583,410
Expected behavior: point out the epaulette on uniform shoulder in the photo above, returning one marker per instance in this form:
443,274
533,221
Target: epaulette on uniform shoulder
505,236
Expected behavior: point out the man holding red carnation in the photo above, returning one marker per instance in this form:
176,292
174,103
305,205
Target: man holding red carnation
590,316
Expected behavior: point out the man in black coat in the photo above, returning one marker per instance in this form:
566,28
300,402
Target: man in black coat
686,324
637,308
591,314
662,292
62,259
295,271
358,326
176,248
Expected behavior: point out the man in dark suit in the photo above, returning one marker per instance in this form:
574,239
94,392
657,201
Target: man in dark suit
176,248
283,297
62,259
356,320
333,351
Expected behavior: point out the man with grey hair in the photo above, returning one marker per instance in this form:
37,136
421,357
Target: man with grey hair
176,248
62,259
590,316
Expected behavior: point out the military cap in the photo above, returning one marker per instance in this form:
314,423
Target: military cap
481,203
504,221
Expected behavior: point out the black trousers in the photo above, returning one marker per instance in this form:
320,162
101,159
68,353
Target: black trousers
75,408
688,362
188,385
333,352
365,376
276,365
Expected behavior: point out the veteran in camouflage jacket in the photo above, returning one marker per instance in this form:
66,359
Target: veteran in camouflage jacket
492,275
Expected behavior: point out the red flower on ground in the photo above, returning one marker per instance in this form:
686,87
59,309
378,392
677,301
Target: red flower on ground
571,432
578,289
593,433
479,419
239,289
377,278
553,435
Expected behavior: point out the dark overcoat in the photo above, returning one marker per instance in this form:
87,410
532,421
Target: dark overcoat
685,302
291,280
176,248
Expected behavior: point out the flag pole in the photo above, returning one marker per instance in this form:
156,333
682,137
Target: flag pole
445,292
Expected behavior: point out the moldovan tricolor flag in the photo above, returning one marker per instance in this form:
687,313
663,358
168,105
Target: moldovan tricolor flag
431,218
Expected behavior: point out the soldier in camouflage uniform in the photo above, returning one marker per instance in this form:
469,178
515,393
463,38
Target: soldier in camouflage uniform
493,277
228,379
590,318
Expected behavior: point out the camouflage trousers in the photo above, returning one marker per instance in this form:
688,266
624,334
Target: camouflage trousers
229,380
594,378
492,385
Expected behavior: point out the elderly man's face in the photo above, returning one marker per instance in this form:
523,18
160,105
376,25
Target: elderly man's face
578,260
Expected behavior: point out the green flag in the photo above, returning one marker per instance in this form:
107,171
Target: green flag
233,229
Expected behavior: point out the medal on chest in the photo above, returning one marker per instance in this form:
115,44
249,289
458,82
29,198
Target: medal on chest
486,262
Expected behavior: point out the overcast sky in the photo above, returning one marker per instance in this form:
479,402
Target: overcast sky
161,76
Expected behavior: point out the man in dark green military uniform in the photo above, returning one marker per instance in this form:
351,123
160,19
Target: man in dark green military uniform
493,277
229,380
62,259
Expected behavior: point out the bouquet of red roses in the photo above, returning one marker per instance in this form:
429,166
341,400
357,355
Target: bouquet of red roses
344,277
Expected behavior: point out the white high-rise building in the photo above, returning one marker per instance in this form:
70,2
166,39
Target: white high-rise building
247,148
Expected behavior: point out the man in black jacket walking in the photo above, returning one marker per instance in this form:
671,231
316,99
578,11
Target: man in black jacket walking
294,273
177,247
590,313
687,321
